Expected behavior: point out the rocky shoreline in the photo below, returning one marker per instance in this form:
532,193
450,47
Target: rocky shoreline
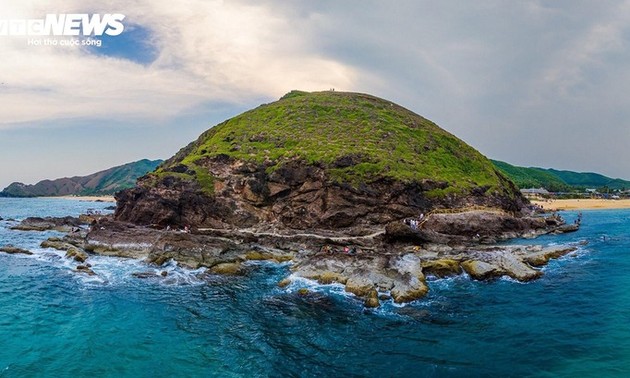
384,264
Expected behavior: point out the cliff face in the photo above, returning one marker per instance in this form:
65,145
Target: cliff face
326,160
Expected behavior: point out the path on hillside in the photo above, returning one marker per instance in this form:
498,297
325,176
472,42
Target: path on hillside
289,236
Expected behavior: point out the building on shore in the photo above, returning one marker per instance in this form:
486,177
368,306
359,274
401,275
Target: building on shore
534,193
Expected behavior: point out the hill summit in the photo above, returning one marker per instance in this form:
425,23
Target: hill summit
321,160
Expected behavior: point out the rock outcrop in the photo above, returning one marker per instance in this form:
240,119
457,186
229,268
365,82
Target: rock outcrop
375,268
64,224
320,171
353,189
11,250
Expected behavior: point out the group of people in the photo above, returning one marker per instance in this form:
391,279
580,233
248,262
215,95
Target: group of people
346,250
414,223
578,220
185,230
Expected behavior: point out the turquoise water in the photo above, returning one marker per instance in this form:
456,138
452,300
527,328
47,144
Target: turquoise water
575,321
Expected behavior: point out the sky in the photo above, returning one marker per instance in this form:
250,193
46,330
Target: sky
533,83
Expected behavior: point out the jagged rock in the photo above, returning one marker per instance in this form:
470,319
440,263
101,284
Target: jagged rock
411,283
480,270
262,256
284,283
328,277
85,270
158,260
65,224
441,267
542,257
515,268
228,269
372,299
56,243
412,290
359,286
484,226
11,250
76,254
194,251
118,239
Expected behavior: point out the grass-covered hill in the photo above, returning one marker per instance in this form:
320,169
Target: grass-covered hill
532,177
105,182
326,160
358,138
558,181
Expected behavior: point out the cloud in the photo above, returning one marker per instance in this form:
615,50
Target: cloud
206,51
530,82
588,49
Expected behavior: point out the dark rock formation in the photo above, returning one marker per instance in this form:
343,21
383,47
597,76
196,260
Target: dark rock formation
385,165
296,196
11,250
377,266
64,224
85,270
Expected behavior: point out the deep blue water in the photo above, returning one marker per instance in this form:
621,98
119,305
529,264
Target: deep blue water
575,321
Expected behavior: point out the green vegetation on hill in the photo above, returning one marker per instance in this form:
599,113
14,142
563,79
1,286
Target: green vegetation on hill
105,182
532,177
376,139
558,181
590,180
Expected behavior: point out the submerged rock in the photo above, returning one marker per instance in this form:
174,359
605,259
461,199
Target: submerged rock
284,283
76,254
145,275
85,270
11,250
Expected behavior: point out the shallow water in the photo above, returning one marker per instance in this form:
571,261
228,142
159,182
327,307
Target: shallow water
53,322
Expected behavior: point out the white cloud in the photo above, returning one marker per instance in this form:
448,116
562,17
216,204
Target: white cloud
587,50
208,51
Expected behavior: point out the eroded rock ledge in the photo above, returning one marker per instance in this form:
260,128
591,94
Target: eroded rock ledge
385,264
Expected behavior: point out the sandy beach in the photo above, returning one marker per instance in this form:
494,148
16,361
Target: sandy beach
584,204
88,198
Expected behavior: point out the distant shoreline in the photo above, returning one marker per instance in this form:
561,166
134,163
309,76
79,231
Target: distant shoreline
584,204
86,198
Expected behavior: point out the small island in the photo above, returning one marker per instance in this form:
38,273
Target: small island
351,188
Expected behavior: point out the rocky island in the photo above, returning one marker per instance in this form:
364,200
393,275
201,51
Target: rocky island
351,188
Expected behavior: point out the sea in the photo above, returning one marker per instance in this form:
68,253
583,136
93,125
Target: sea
573,322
